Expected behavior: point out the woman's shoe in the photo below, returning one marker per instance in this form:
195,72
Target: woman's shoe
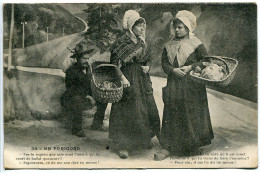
123,154
161,155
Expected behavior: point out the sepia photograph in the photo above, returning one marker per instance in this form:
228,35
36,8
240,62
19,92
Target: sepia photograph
129,85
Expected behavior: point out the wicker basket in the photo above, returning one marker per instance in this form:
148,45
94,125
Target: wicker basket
106,72
231,65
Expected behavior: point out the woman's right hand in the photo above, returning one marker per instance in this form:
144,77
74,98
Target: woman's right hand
125,82
178,72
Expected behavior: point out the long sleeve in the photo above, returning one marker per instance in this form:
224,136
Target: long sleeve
149,63
148,57
200,53
77,83
70,80
166,66
115,61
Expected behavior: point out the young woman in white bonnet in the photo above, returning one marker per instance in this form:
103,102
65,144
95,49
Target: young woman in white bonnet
134,120
186,122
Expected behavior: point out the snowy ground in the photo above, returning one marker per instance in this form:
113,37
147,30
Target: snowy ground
234,123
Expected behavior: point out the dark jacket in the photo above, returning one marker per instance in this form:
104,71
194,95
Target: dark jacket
77,83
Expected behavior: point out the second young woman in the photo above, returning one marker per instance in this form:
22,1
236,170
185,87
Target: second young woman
134,120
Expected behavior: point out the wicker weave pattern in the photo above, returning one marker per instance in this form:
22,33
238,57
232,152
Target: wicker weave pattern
106,72
231,64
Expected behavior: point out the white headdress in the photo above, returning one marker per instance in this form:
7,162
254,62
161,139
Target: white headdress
189,19
130,17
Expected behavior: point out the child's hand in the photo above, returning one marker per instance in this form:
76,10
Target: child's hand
186,69
178,72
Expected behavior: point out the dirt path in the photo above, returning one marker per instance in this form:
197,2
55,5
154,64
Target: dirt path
234,124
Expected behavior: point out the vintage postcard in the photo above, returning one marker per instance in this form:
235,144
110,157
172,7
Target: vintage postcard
130,85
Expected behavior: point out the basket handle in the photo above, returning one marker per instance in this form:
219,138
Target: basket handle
101,65
217,57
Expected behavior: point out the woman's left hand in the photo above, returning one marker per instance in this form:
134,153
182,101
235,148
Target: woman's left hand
145,69
125,82
186,69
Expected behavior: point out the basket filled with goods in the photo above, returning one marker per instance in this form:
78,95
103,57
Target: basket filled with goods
106,84
215,70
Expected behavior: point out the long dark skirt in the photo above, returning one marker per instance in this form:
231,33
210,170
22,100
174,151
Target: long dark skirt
186,119
134,120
